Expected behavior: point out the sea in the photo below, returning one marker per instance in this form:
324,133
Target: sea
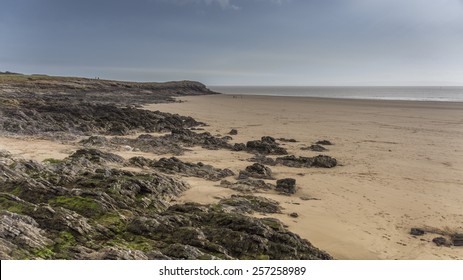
434,93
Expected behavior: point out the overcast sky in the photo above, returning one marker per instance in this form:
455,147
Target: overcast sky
238,42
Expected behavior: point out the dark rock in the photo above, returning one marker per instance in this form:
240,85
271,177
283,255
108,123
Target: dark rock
323,142
249,204
233,132
247,185
267,145
287,140
457,239
417,231
287,185
294,215
315,148
256,170
318,161
96,156
441,241
175,166
239,147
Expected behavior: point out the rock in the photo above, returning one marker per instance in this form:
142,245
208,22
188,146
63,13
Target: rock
323,142
294,215
239,147
287,140
96,156
417,231
233,132
287,185
22,231
441,241
318,161
267,145
457,239
256,170
247,185
249,204
315,148
174,165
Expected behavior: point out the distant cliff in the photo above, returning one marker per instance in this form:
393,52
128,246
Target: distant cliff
98,89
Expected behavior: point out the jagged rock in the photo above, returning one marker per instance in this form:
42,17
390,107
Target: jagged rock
441,241
233,132
174,165
457,239
96,156
417,231
256,170
249,204
318,161
299,162
315,148
239,147
287,185
247,185
23,231
266,146
323,142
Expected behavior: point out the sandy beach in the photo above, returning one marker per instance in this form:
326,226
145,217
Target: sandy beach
401,166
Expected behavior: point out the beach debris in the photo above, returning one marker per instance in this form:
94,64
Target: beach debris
323,142
315,148
287,185
417,231
267,146
256,170
233,132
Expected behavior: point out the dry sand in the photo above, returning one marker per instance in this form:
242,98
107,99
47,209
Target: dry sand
401,167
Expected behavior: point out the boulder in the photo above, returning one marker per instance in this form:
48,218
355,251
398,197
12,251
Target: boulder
287,185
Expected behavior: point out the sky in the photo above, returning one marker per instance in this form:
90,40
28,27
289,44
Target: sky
238,42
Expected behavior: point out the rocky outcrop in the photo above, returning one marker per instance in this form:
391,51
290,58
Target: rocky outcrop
286,186
315,148
266,146
256,170
175,166
79,208
247,185
250,204
300,162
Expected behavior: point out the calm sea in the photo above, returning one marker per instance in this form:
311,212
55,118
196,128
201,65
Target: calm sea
448,94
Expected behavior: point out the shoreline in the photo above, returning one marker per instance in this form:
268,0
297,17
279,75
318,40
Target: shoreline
393,174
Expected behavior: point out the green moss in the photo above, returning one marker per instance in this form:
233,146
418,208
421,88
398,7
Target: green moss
82,205
134,242
44,253
11,205
113,221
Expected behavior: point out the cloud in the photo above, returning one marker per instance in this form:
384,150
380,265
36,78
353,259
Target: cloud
225,4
